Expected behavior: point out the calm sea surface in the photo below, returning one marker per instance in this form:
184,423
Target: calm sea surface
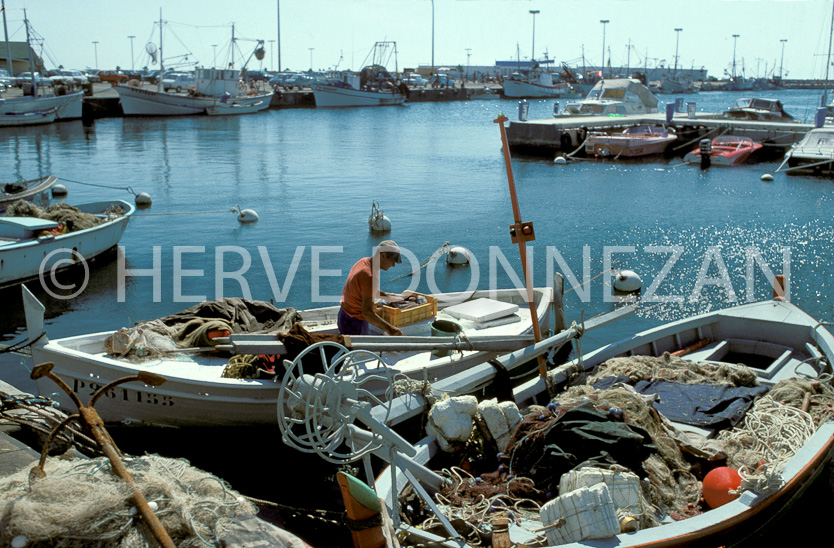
438,173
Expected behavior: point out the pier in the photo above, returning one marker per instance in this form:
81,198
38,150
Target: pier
566,133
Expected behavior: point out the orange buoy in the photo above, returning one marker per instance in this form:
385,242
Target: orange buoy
717,486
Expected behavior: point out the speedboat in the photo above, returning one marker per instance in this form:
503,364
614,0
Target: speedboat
613,97
726,150
64,237
661,439
456,333
631,142
814,153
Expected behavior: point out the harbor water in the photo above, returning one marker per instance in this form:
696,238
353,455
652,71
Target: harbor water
700,239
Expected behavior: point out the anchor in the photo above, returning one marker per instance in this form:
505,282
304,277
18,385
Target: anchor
92,424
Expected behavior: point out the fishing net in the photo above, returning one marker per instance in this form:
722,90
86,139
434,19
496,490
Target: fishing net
672,368
82,503
64,214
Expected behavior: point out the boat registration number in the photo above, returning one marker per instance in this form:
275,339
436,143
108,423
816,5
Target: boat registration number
121,393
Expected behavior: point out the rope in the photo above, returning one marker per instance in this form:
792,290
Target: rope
440,251
233,210
612,269
126,188
20,345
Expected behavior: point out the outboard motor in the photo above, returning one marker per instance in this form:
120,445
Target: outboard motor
705,149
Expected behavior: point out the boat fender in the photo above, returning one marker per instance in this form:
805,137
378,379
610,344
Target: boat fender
143,199
59,191
767,177
627,281
457,256
561,160
247,216
720,486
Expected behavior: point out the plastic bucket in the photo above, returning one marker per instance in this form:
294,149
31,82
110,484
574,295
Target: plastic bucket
443,328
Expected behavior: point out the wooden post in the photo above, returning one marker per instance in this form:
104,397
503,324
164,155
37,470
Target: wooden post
521,233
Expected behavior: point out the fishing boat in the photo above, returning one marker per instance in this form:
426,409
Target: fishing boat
223,109
31,247
443,342
726,150
373,86
751,365
29,190
813,154
758,109
30,118
671,86
211,84
614,96
537,83
630,143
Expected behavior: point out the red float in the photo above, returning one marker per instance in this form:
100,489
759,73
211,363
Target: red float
717,486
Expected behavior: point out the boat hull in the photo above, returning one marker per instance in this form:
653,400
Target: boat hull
146,102
625,147
67,107
28,259
28,118
516,89
328,96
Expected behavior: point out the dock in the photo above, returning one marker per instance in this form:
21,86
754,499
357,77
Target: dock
566,133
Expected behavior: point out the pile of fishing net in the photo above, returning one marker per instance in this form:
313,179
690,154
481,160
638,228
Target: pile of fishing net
672,368
64,214
82,503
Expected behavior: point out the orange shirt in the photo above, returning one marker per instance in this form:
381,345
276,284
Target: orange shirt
359,284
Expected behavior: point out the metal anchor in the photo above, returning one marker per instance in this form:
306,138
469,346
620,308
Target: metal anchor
92,424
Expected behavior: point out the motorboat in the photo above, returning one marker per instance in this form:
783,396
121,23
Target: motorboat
373,86
210,85
25,190
550,465
62,237
614,97
631,142
758,109
29,118
725,150
813,154
445,341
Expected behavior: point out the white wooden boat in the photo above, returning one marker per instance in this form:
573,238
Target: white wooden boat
25,190
629,143
32,118
777,339
332,95
614,96
813,154
536,84
220,108
195,394
30,246
373,86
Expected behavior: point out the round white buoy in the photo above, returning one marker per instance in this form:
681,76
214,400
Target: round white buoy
767,177
143,199
19,541
457,256
560,160
59,191
627,281
380,224
248,216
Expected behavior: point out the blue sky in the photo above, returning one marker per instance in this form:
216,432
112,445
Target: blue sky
343,31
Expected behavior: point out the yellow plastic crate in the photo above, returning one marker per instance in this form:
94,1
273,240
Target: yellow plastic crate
398,317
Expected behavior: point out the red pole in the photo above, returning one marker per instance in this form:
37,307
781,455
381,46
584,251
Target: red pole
521,233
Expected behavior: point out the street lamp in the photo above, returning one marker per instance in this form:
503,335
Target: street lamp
214,65
533,53
782,63
132,67
735,36
432,36
468,53
95,48
311,58
677,40
604,22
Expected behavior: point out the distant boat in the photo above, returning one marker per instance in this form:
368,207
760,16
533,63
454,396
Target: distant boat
24,190
670,86
538,84
630,143
485,94
373,86
758,109
615,96
726,150
813,154
220,108
30,246
35,117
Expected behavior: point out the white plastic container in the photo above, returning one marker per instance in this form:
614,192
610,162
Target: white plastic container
624,487
588,513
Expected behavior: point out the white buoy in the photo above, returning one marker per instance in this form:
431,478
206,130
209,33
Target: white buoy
19,541
457,256
767,177
380,223
59,191
560,160
143,199
247,216
627,281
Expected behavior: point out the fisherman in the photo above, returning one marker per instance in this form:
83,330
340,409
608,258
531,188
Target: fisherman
356,311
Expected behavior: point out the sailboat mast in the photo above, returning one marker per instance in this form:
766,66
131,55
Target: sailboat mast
31,61
828,59
8,46
232,53
161,56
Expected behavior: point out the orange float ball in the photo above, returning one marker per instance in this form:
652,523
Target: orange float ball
717,486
